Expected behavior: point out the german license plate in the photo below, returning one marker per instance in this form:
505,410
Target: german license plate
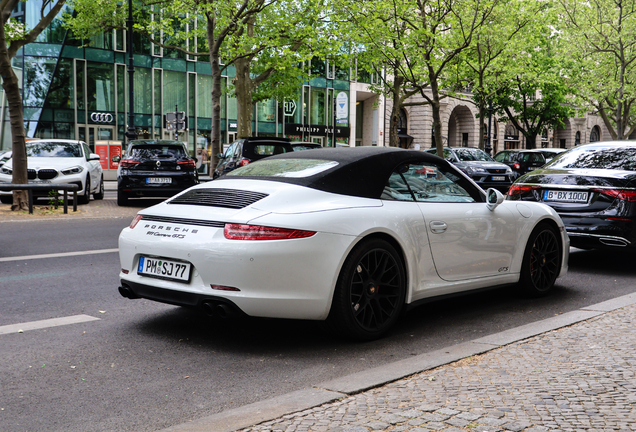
498,178
532,168
159,180
164,269
565,196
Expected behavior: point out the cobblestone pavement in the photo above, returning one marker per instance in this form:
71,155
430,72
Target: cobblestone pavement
578,378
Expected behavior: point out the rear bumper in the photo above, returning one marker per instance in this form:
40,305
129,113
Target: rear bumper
595,233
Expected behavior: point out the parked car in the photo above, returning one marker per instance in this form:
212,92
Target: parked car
302,145
5,155
593,188
246,150
521,161
551,153
352,236
479,166
59,161
154,168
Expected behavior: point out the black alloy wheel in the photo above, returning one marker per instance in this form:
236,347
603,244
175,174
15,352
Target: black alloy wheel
86,196
541,261
370,291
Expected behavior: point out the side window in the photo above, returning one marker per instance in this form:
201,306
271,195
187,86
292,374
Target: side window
448,155
430,184
500,157
230,151
87,151
397,189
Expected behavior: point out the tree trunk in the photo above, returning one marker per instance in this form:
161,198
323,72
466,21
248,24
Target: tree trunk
14,100
394,141
243,86
437,118
531,141
215,139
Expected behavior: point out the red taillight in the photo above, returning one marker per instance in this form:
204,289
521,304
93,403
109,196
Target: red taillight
187,164
625,195
127,163
516,165
517,189
244,162
135,221
255,232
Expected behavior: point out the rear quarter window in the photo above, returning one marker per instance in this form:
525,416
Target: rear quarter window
157,151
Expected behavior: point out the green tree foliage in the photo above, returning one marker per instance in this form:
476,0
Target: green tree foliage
264,39
601,38
533,88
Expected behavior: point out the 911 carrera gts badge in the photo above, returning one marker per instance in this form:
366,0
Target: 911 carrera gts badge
503,269
169,231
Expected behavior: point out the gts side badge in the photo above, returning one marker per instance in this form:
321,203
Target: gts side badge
503,269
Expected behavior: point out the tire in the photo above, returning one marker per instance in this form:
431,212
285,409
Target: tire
85,198
99,195
122,199
541,263
6,199
370,292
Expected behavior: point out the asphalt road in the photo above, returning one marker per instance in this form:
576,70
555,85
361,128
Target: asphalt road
144,366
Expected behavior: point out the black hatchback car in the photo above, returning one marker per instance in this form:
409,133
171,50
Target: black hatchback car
246,150
154,168
521,161
593,188
479,166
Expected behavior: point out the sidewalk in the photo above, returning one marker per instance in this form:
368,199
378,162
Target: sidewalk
573,372
106,208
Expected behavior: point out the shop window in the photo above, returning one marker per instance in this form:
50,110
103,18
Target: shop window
204,96
38,73
143,90
318,68
100,81
174,91
318,105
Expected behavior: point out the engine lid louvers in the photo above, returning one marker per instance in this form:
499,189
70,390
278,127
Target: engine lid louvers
228,198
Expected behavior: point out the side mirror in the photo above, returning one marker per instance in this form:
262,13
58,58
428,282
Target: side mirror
494,198
93,156
116,158
219,155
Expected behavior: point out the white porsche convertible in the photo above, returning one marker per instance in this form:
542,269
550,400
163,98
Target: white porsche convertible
352,236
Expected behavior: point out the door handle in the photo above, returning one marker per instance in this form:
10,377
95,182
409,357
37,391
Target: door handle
438,227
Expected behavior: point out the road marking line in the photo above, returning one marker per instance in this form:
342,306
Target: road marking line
58,255
53,322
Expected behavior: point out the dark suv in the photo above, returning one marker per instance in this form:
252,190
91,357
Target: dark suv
521,161
246,150
154,168
479,166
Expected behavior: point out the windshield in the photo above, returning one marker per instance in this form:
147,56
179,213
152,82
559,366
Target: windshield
597,157
296,168
53,149
157,151
468,155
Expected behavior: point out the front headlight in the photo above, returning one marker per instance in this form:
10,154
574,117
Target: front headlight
74,170
475,170
5,170
508,170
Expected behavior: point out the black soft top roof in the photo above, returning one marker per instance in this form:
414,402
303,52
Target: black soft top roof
361,171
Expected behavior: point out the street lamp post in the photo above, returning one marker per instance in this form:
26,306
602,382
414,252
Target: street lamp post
131,133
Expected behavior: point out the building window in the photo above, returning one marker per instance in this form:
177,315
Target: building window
595,135
577,138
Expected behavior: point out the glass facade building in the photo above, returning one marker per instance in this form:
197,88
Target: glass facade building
77,90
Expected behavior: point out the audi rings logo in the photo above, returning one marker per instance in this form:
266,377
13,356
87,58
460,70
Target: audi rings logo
102,117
